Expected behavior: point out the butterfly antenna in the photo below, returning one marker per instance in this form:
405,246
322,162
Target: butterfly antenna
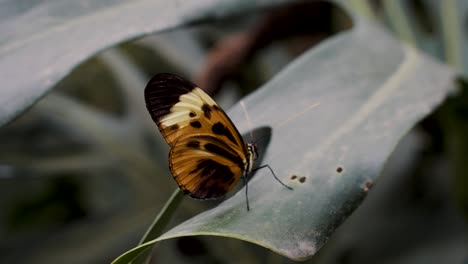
244,178
296,116
247,117
274,175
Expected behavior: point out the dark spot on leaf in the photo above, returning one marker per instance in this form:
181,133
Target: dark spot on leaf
206,111
302,179
195,124
339,169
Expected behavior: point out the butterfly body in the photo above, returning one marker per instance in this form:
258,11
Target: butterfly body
208,155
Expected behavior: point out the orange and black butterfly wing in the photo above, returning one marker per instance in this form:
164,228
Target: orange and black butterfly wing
180,108
208,155
204,166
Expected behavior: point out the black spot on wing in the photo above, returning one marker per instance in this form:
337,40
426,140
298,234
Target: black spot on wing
215,177
210,190
220,129
193,144
227,177
231,181
163,91
195,124
206,111
217,189
206,167
173,127
220,151
192,114
212,169
169,129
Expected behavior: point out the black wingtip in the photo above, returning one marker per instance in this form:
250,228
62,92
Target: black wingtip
165,78
163,91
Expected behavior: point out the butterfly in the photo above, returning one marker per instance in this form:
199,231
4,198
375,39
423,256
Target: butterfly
208,155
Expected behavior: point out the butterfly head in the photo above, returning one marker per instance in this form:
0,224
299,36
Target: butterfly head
252,155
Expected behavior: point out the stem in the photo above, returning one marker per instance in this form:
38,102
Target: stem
162,219
399,21
451,30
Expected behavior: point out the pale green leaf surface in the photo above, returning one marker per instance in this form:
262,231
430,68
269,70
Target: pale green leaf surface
345,103
41,42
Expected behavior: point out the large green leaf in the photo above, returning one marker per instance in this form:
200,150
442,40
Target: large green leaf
343,105
336,114
42,42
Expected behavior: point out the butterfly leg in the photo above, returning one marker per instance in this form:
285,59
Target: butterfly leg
274,175
244,179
